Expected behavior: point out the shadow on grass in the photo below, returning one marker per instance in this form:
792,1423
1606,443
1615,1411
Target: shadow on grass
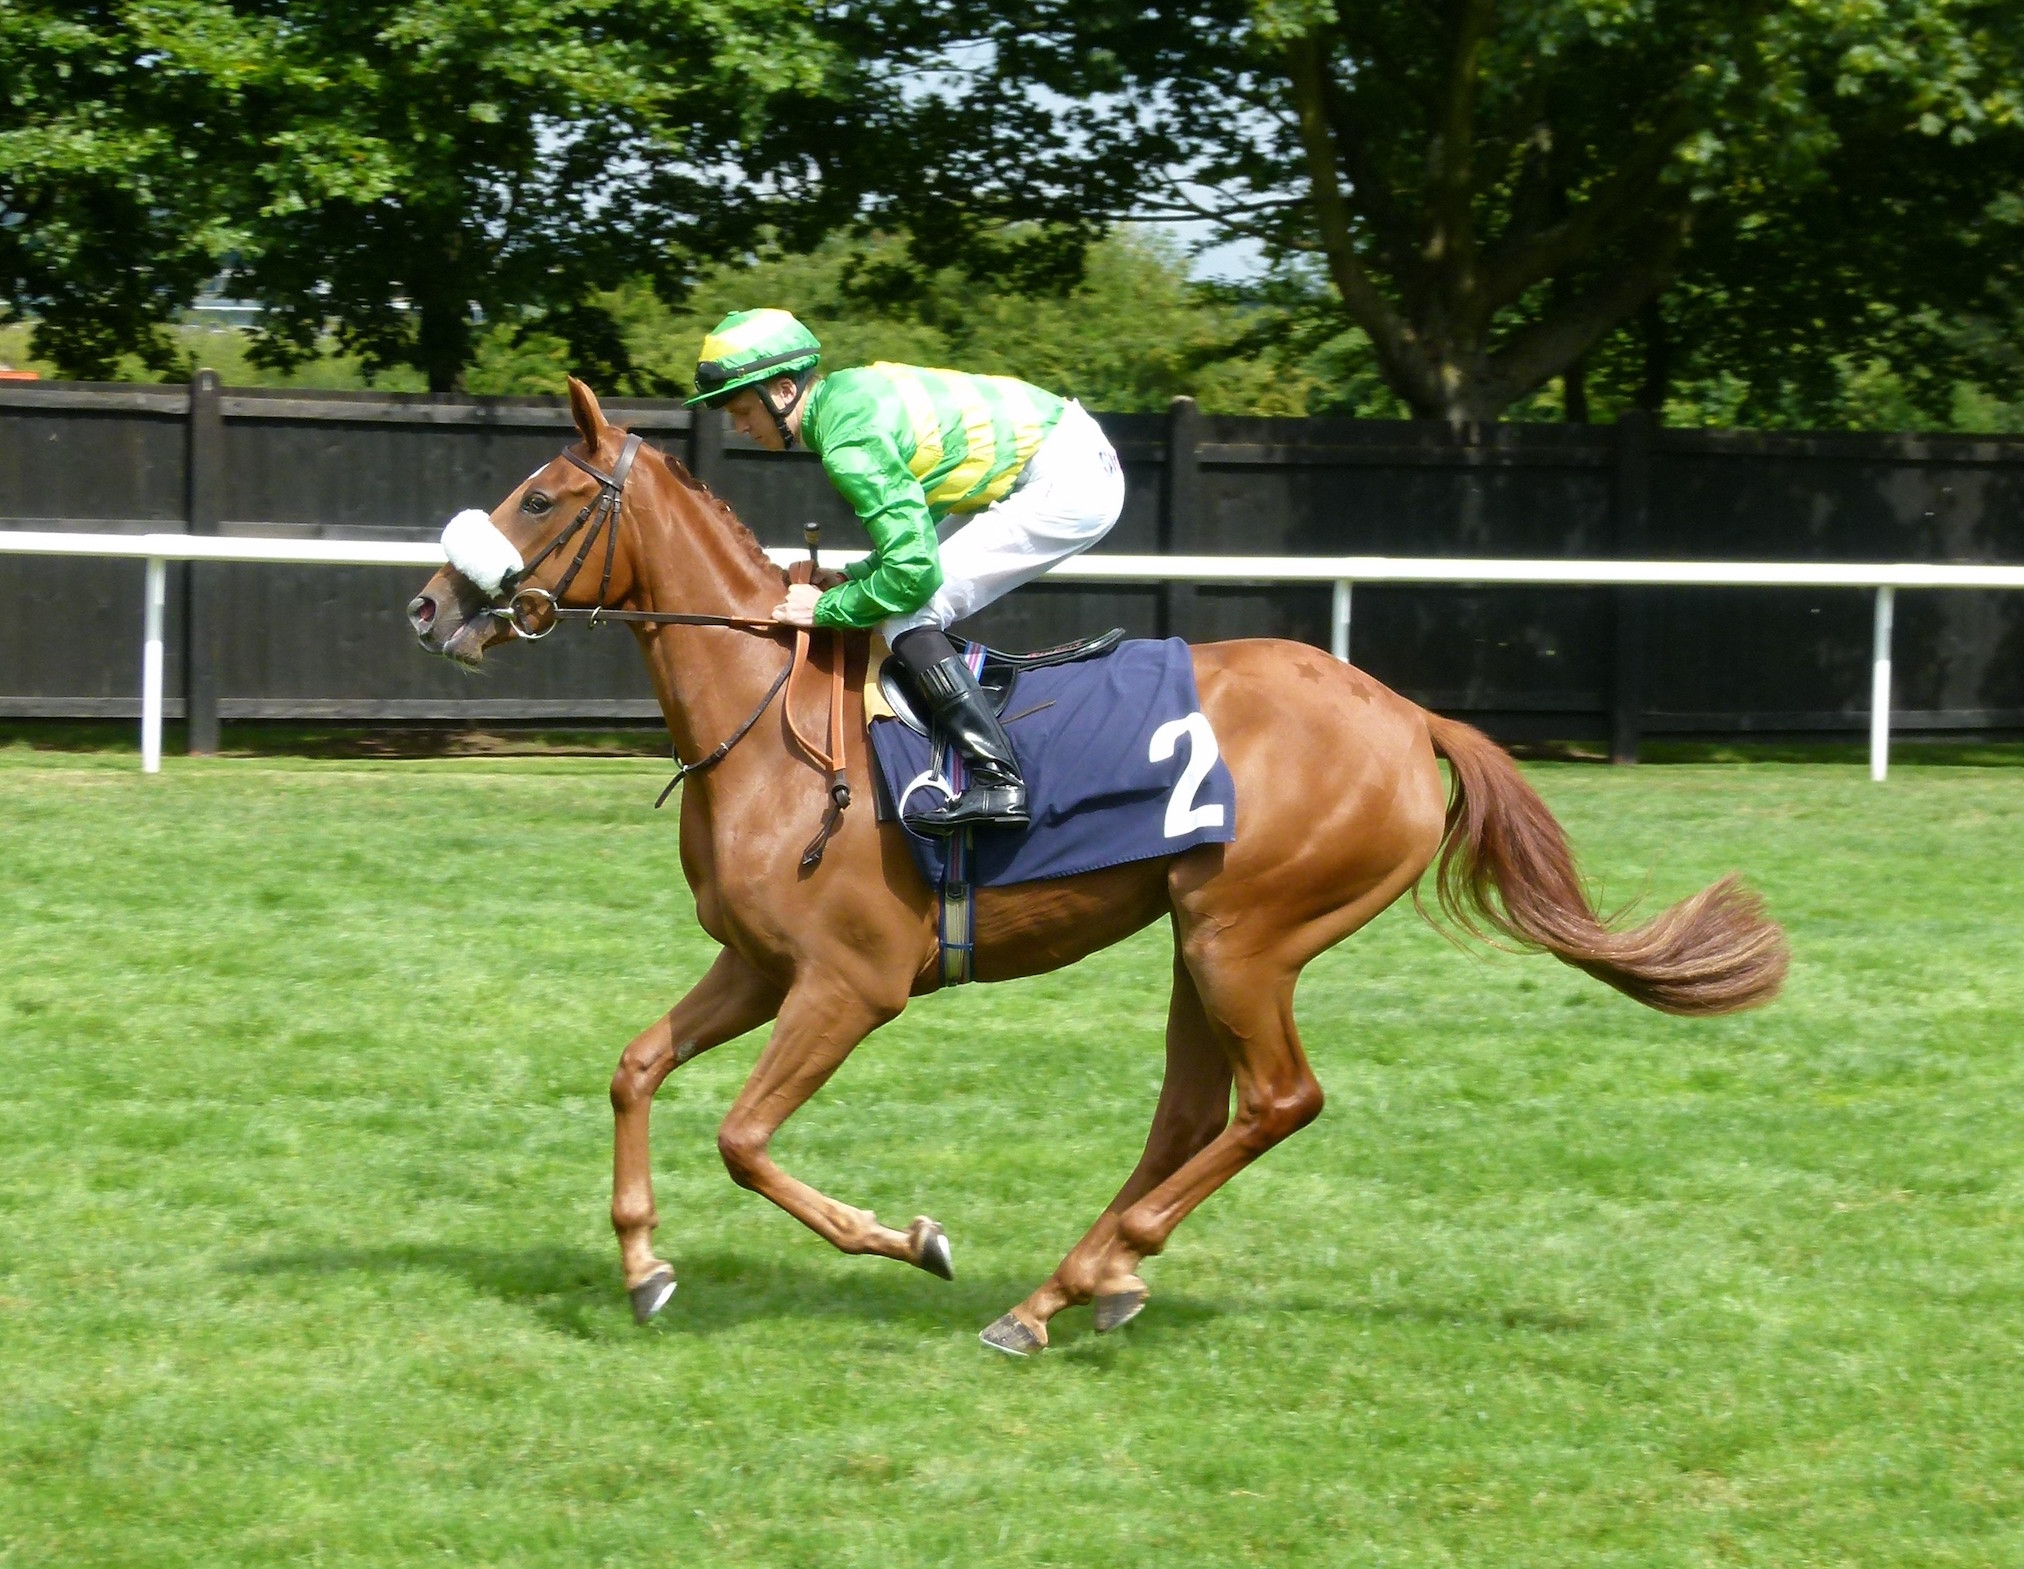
576,1291
1483,1315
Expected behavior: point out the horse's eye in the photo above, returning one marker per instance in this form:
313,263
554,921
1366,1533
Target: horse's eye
534,503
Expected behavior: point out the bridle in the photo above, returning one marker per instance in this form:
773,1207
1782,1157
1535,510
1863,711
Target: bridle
533,613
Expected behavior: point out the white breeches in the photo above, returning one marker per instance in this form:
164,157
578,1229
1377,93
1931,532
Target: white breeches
1069,496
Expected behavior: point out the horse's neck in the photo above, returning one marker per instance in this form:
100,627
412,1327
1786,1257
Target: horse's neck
694,559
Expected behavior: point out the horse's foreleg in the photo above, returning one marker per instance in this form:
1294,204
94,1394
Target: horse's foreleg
820,1024
1194,1107
730,999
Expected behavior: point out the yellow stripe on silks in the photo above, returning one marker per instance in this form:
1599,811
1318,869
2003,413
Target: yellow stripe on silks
981,450
1026,438
1026,424
921,415
995,492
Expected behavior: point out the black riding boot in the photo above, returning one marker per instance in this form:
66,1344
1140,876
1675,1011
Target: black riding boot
995,796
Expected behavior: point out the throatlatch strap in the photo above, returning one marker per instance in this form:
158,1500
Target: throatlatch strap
959,912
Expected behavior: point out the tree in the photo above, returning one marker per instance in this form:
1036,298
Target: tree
433,164
1132,334
1899,257
1493,191
402,171
109,211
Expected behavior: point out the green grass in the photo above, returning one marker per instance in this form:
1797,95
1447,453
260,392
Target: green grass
304,1164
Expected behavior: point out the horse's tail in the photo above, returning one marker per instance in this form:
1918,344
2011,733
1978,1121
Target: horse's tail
1504,861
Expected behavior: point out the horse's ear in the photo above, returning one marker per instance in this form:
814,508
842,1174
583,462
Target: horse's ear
590,423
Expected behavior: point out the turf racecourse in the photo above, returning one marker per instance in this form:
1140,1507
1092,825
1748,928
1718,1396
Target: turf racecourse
304,1256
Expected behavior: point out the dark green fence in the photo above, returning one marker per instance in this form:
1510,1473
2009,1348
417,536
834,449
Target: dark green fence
331,643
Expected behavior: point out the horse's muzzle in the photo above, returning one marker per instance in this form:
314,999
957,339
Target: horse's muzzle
423,611
444,623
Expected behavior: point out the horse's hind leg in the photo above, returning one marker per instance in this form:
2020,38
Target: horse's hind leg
1246,994
730,999
1194,1107
1249,1007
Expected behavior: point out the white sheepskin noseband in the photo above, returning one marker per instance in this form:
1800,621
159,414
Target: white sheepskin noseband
480,551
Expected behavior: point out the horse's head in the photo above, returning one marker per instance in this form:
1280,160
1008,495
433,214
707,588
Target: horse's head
520,545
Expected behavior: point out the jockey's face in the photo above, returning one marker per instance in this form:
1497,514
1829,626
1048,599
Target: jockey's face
750,416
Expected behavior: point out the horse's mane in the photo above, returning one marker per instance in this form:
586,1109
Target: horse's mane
741,536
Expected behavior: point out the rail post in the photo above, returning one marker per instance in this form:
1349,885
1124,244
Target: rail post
1630,503
1338,621
151,667
203,582
1180,497
1879,686
706,446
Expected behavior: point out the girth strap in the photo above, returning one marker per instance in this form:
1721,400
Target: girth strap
958,924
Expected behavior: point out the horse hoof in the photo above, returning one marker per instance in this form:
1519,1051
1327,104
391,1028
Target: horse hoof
1012,1337
651,1294
1118,1309
933,1254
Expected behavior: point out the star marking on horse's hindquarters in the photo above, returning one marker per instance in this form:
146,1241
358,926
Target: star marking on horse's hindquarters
1359,688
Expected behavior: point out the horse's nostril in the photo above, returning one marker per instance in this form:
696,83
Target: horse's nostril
422,612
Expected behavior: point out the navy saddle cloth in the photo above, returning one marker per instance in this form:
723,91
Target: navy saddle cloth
1120,765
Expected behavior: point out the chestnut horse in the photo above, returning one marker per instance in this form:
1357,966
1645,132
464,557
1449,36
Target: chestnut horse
1340,811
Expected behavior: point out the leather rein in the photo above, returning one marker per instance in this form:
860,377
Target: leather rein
533,613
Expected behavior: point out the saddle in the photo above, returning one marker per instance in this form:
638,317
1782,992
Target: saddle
998,677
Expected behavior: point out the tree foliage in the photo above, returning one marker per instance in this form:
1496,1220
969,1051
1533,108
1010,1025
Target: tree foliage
109,217
1130,335
503,159
402,170
1133,333
1467,207
1492,190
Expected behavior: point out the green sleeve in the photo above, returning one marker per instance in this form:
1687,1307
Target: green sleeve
905,567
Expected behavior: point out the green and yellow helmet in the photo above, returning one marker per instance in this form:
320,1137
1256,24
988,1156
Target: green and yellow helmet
750,347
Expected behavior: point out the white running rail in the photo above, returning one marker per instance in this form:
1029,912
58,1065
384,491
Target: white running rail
1343,572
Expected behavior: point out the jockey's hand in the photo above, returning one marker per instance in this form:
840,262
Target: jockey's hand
798,608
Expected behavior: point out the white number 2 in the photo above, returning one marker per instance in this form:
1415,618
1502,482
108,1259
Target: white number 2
1183,816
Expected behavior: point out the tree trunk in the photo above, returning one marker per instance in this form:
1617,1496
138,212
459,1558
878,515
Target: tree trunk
1429,288
1658,362
1574,392
1462,377
443,344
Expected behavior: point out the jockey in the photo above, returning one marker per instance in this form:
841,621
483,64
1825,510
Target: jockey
907,447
